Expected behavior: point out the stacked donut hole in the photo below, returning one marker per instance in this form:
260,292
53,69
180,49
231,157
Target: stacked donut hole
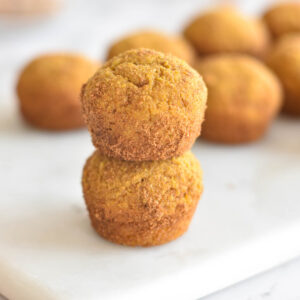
144,110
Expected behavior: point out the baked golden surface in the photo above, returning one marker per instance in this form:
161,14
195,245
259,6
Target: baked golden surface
243,98
226,30
283,18
49,90
158,41
141,203
284,60
144,105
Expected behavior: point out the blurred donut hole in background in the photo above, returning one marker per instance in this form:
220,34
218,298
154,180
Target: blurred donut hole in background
28,7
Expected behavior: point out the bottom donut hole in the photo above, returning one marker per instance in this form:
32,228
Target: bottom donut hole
141,203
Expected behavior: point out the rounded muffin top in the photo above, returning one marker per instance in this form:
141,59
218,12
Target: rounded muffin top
284,60
226,30
239,83
285,54
160,185
49,90
150,103
283,18
144,83
158,41
59,71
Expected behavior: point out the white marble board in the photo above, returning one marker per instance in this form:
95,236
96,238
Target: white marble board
247,220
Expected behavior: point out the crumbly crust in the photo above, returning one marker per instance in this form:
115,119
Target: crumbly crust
49,89
226,30
144,105
141,203
244,96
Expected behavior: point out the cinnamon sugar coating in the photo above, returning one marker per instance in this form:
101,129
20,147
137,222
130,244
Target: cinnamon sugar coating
141,203
144,105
